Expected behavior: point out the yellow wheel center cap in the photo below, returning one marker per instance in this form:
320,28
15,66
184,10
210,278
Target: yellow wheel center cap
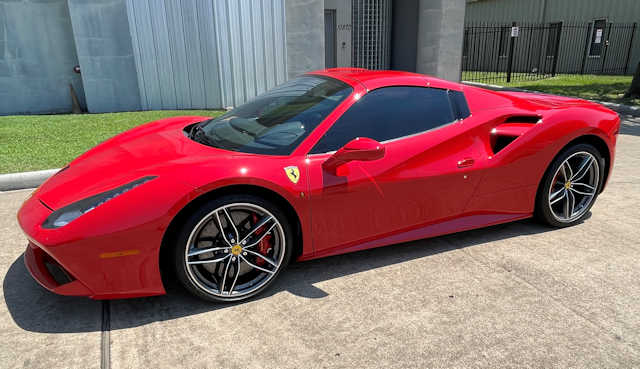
567,185
236,250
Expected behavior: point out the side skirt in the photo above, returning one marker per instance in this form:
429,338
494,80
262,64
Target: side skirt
459,224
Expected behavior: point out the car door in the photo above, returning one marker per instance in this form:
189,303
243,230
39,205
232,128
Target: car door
426,176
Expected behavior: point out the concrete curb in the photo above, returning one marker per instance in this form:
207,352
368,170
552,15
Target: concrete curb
619,108
18,181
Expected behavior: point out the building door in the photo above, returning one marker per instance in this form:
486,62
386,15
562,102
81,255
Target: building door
330,38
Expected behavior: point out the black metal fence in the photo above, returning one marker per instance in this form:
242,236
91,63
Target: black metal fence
498,53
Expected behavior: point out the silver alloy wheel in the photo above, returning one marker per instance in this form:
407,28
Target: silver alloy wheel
574,187
223,255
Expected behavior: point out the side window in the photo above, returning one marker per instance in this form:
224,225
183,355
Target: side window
389,113
459,104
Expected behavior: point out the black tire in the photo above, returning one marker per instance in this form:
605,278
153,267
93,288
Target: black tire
182,238
543,210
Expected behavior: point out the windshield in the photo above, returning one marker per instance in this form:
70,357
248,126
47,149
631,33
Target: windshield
276,122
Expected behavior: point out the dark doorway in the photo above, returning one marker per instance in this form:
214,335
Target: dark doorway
330,50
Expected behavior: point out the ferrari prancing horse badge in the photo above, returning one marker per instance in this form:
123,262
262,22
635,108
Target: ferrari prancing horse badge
293,173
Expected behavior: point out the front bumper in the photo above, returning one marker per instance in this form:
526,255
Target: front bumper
88,255
50,274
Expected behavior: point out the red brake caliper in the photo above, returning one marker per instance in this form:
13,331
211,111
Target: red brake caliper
265,244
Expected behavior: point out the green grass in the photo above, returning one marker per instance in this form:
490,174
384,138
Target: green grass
592,87
35,142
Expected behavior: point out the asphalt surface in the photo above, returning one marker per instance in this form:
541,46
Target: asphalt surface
512,295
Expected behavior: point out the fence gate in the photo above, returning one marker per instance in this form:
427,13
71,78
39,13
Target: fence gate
499,53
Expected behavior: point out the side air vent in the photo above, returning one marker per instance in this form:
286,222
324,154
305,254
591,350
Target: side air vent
530,119
513,127
500,142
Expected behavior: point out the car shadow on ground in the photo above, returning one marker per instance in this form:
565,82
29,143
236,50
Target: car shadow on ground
37,310
630,124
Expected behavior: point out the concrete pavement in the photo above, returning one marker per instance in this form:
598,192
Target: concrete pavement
511,295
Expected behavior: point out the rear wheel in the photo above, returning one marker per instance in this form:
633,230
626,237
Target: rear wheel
570,186
232,248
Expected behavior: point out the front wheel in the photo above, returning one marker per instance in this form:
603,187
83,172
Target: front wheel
232,248
570,186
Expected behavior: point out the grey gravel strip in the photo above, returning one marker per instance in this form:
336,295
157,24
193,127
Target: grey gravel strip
18,181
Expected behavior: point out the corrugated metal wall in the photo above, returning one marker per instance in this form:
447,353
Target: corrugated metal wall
206,54
251,47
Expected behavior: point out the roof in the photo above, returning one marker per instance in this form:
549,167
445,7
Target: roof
372,79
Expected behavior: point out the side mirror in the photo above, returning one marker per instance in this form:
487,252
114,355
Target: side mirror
361,148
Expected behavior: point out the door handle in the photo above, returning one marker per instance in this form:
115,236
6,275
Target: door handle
466,162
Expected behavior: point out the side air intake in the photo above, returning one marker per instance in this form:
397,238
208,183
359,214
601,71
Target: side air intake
513,127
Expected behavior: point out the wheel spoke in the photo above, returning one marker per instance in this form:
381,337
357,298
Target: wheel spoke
564,195
582,193
257,267
208,261
564,168
230,221
224,278
256,227
553,196
266,232
204,251
221,230
569,205
584,168
235,279
268,260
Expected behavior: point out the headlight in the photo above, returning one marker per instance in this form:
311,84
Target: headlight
66,215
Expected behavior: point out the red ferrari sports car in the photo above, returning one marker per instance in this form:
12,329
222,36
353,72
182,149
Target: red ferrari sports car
331,162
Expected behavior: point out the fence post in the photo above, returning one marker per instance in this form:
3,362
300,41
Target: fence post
511,45
626,64
557,48
606,48
586,48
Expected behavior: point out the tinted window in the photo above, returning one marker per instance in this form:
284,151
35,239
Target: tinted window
277,121
389,113
459,104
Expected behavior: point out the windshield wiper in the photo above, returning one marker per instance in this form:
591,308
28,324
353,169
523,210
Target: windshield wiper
195,130
198,134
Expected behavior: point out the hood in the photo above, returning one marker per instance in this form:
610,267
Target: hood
145,150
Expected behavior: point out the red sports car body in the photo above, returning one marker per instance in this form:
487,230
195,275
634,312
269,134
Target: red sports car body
485,166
